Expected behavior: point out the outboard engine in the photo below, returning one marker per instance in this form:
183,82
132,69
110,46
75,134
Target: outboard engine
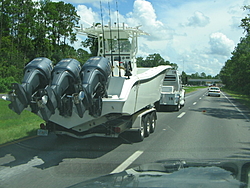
36,76
94,76
64,82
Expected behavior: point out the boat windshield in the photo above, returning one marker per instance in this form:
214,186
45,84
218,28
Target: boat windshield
114,45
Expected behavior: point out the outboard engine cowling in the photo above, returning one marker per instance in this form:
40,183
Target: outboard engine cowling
36,76
94,72
65,76
94,75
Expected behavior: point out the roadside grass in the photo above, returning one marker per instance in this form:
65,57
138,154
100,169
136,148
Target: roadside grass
189,89
243,99
14,126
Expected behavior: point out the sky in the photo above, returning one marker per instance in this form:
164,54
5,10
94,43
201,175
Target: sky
197,35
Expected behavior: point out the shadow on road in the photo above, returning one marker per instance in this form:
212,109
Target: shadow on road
220,113
53,150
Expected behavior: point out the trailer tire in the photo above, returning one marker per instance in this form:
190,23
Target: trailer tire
146,121
139,135
152,122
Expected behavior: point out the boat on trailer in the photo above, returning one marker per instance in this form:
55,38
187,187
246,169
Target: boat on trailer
104,97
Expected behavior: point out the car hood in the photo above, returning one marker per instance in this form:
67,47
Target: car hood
178,173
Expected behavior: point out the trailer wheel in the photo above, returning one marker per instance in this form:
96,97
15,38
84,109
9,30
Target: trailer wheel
140,134
152,122
147,125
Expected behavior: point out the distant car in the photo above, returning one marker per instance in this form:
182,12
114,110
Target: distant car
214,91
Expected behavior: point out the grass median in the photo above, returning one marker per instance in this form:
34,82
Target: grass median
189,89
14,126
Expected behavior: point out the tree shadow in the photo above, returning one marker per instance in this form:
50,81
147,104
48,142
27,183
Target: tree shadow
220,113
52,150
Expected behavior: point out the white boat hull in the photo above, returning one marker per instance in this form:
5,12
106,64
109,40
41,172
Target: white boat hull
126,96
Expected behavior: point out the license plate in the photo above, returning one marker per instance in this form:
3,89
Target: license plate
42,132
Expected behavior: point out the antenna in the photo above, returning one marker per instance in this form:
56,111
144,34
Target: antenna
103,40
118,40
111,42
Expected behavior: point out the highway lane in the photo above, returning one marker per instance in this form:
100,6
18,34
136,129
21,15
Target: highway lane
206,127
211,128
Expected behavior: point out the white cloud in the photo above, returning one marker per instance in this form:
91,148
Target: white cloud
199,61
207,52
198,20
87,16
200,51
220,44
236,21
144,14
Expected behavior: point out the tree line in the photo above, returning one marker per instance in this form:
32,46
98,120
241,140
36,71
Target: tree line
30,29
235,74
153,60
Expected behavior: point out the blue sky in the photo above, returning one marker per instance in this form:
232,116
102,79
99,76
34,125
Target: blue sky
198,35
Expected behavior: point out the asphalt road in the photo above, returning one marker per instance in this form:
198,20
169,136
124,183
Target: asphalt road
205,128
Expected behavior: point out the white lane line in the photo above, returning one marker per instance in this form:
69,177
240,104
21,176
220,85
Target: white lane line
128,162
194,103
236,108
181,115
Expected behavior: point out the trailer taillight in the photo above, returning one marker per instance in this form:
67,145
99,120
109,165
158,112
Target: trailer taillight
117,129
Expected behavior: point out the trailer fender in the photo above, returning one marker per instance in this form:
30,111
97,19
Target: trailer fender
137,118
